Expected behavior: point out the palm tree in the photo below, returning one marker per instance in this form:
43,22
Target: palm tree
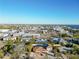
18,40
28,46
9,46
15,55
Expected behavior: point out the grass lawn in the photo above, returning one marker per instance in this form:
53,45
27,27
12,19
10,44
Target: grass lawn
74,57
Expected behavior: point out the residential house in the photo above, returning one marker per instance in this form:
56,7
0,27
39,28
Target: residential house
58,40
41,40
27,36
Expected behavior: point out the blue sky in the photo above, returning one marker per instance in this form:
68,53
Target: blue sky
39,11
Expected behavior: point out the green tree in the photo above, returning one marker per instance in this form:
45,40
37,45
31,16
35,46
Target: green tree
76,36
1,53
64,35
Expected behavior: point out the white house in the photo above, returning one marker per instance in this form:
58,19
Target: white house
4,30
31,35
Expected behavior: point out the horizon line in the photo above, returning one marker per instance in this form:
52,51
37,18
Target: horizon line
33,24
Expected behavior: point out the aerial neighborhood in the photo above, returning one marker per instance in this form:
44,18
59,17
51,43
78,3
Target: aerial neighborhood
38,41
